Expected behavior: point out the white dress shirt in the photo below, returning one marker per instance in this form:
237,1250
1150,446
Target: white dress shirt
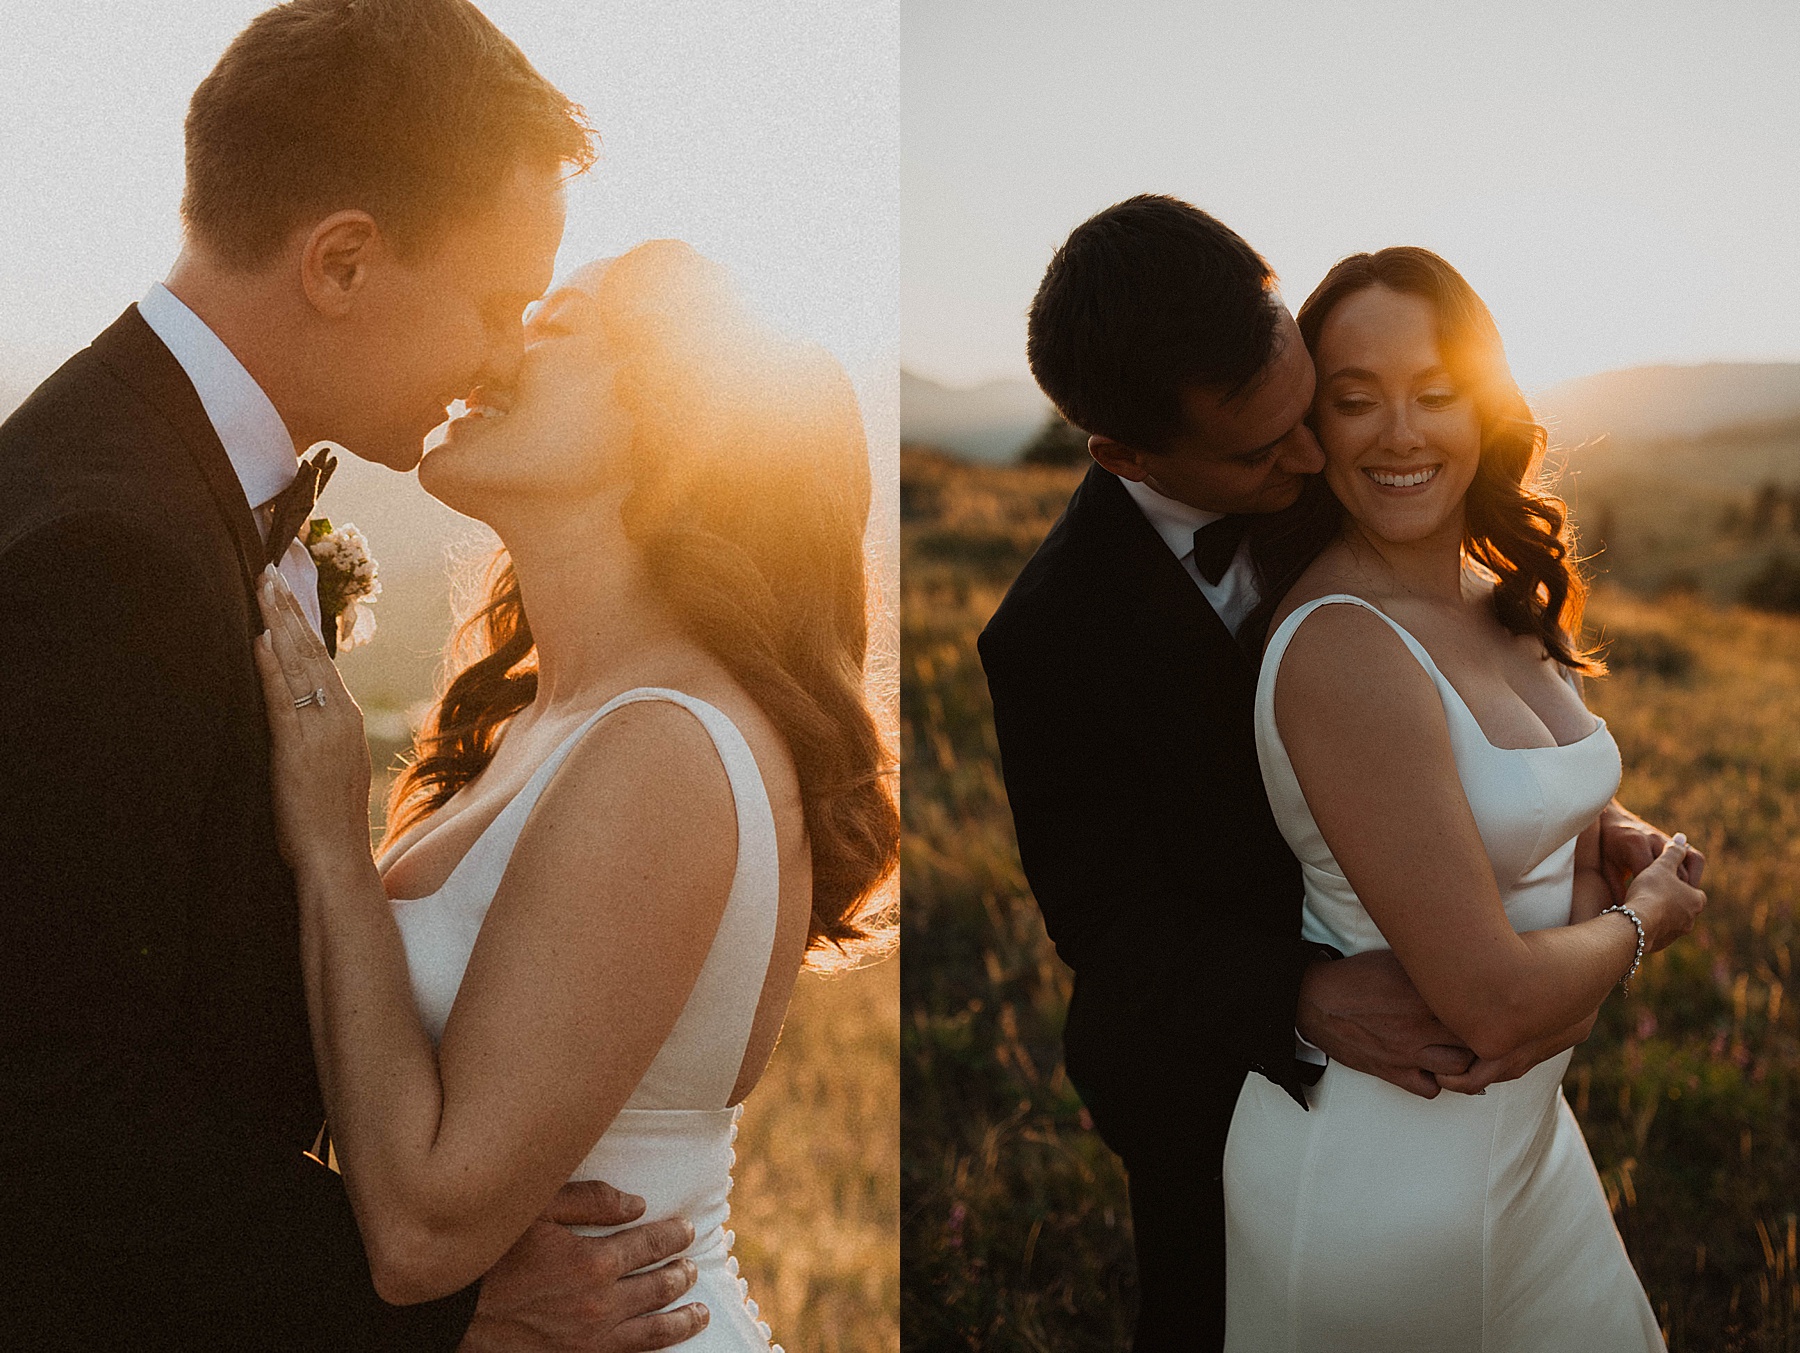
255,439
1232,598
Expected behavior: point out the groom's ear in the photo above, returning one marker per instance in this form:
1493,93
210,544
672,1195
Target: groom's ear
335,260
1122,460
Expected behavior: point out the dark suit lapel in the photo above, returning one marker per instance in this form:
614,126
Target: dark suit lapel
138,357
1171,612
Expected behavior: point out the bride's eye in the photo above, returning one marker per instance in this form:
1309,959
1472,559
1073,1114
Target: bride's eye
1352,404
1441,398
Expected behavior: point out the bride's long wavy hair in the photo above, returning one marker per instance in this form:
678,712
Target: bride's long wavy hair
748,504
1514,529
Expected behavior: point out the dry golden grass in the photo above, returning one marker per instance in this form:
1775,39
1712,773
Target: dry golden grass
817,1203
1015,1219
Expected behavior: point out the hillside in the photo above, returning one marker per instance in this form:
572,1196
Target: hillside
983,422
1016,1226
1638,405
1650,402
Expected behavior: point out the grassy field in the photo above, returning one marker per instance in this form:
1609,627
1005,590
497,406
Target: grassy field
817,1203
1015,1232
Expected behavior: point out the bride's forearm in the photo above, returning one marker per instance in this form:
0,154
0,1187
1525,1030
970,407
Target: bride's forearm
1592,894
383,1093
1567,973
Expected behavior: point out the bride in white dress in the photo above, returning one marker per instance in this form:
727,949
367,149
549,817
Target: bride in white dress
653,788
1430,761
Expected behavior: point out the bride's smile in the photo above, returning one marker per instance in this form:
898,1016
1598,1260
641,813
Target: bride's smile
1401,438
1403,481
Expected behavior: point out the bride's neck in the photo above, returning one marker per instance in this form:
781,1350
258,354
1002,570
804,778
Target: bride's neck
592,610
1430,568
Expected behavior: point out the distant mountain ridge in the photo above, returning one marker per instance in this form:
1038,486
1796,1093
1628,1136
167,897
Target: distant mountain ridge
1667,403
983,422
993,421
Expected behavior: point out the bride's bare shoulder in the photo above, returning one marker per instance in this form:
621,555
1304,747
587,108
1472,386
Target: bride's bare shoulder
1326,575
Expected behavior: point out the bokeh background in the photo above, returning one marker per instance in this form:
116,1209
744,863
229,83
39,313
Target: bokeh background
1616,181
765,134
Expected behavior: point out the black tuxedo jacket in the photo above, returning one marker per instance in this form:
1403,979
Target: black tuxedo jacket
157,1089
1123,710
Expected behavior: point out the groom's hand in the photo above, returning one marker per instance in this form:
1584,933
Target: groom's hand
1486,1071
1364,1012
556,1291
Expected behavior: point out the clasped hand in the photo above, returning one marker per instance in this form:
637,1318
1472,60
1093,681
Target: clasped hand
1363,1010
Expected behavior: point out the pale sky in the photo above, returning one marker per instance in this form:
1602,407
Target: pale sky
1619,179
764,132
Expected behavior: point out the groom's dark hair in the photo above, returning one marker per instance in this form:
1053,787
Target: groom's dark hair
411,110
1148,298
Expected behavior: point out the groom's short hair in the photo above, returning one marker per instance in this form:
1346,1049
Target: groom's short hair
1149,298
410,110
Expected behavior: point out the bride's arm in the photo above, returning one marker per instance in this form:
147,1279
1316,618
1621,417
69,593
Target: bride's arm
1591,897
1365,730
589,951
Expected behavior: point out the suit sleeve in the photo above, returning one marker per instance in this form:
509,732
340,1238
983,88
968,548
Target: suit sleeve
1090,842
134,1218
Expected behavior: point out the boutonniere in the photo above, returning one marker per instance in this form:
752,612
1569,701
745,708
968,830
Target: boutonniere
348,581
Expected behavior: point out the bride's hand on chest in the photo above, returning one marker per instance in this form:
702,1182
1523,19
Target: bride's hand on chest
318,753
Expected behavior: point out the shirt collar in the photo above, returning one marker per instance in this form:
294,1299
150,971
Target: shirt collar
255,439
1175,522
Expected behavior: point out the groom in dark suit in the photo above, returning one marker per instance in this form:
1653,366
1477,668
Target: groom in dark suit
373,197
1122,702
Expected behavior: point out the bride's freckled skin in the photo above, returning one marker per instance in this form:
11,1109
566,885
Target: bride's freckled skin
1402,439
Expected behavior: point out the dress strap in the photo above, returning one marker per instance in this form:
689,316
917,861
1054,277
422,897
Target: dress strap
496,842
1283,636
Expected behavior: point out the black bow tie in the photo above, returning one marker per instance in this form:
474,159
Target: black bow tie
1216,545
293,505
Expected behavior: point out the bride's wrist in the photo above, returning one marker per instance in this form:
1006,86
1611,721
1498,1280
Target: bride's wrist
1640,936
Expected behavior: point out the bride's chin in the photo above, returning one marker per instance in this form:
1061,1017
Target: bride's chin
1394,530
442,477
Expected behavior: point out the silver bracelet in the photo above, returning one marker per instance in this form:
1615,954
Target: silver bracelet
1638,958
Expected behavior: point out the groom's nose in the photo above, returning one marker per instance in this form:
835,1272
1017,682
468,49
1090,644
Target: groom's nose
504,356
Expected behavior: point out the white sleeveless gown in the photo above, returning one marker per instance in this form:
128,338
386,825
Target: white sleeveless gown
671,1144
1379,1221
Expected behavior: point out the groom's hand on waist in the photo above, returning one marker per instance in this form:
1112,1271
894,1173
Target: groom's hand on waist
556,1291
1364,1012
1486,1071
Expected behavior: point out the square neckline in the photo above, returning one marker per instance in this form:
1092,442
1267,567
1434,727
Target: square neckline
1423,654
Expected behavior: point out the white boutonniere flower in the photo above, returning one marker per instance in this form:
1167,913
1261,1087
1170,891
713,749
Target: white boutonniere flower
348,580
